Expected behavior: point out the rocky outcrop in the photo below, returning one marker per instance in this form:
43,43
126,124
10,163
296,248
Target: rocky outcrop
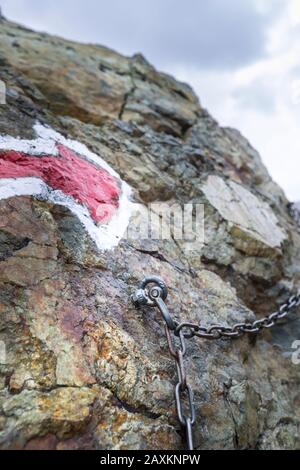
82,367
296,212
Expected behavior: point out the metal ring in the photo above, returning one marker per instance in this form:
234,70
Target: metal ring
158,282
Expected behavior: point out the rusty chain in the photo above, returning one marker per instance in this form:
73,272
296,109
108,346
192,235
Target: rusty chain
176,332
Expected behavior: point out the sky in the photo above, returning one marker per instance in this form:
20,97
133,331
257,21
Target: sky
242,58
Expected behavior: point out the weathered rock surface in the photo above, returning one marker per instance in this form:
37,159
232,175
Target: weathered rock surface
83,368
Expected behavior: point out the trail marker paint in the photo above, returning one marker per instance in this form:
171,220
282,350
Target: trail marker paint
66,172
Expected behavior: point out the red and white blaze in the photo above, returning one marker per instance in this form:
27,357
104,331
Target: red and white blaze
65,172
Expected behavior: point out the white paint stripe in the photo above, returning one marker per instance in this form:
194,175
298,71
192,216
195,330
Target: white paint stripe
106,236
48,135
10,187
36,147
45,144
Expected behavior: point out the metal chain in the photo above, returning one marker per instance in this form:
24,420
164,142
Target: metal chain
219,331
155,297
182,387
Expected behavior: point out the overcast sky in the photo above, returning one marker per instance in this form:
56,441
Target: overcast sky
241,57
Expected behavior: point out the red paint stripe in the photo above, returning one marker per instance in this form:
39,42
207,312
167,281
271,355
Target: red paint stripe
88,184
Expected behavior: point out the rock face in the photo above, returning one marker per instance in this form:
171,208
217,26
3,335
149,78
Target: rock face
81,368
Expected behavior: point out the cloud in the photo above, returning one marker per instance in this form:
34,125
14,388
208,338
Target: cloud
209,34
263,101
258,95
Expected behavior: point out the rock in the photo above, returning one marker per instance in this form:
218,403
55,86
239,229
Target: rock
296,212
81,368
246,216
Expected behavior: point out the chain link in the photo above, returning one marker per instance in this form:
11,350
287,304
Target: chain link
182,388
219,331
179,332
